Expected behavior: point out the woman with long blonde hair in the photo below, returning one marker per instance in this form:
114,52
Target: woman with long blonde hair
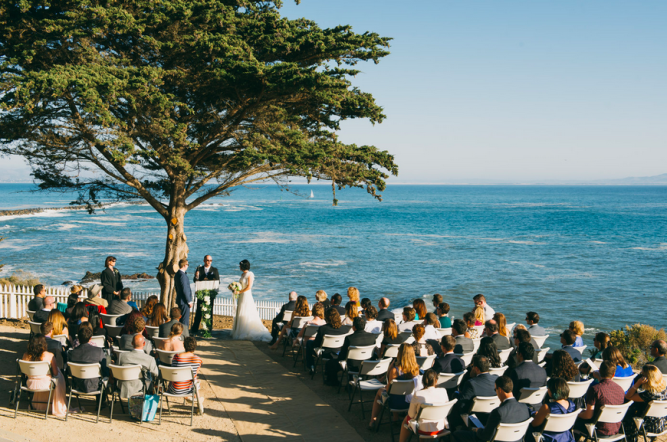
354,295
501,320
351,312
318,319
649,386
479,315
301,310
578,328
59,324
174,341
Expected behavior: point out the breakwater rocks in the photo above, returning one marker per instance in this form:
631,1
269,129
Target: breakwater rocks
33,211
92,277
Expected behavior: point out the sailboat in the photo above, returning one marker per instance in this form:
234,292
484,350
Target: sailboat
311,194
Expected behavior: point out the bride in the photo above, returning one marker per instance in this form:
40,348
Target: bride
247,323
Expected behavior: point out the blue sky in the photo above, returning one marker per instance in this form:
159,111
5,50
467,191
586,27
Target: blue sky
512,90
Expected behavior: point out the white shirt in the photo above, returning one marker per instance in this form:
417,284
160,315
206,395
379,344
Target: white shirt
488,312
431,333
206,269
430,395
406,326
373,326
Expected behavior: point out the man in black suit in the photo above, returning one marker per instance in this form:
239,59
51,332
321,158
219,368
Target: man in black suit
332,327
336,299
360,338
527,374
510,411
204,272
110,280
120,306
481,383
86,353
658,351
43,314
520,336
53,346
37,302
383,312
183,292
463,344
289,307
491,330
448,362
567,338
175,316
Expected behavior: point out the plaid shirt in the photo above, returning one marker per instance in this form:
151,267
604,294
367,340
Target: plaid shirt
607,392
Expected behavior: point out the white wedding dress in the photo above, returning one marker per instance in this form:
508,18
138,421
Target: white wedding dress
247,323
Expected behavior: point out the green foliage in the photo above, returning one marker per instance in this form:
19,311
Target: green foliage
175,102
205,300
20,278
635,341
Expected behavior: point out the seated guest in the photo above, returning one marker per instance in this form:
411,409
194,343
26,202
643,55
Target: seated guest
37,302
481,383
321,297
318,319
149,305
420,309
186,359
59,324
469,319
72,299
480,301
384,313
120,306
478,313
600,342
532,318
613,355
558,392
86,353
391,336
275,327
159,315
372,324
359,338
491,330
562,366
420,346
527,374
42,315
437,300
354,295
53,346
95,298
336,300
649,386
428,395
520,335
175,316
578,328
332,327
403,368
175,340
500,319
351,312
37,351
567,338
658,351
365,303
448,361
488,348
443,315
137,356
463,342
409,315
510,411
79,315
301,310
431,325
126,341
607,392
128,322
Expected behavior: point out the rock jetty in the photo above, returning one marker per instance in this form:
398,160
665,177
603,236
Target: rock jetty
19,212
92,277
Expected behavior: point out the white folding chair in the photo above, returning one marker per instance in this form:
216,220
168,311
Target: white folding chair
510,328
579,389
287,316
541,354
581,349
498,371
177,374
32,368
397,388
372,370
532,395
354,354
538,341
485,404
159,342
445,331
166,357
113,331
425,362
30,314
655,409
124,373
480,329
85,371
450,380
297,324
378,341
504,355
35,327
608,414
311,330
466,358
153,332
97,341
511,432
60,338
475,344
329,342
625,382
109,319
560,423
429,412
391,351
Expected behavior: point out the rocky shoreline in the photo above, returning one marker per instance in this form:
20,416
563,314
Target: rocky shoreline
36,210
92,277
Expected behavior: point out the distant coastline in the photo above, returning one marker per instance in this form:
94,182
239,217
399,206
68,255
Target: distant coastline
36,210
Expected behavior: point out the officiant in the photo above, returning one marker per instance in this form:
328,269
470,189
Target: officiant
204,272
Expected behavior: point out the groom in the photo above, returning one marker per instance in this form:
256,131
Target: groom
183,291
204,272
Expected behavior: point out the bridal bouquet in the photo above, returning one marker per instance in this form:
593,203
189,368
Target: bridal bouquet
235,287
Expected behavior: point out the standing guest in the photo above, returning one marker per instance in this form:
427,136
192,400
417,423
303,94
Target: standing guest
448,361
186,359
558,391
175,340
562,366
175,316
72,299
372,324
365,303
353,295
351,312
159,315
478,313
431,325
59,324
332,327
275,324
420,308
321,297
501,320
578,328
53,346
460,333
428,395
607,392
443,315
149,305
183,291
318,319
649,386
42,315
390,336
110,280
613,355
204,272
658,351
491,330
481,301
137,356
420,346
600,342
37,302
120,306
37,351
409,315
437,300
567,338
359,338
510,411
126,341
384,313
87,353
469,319
532,318
301,310
336,300
527,374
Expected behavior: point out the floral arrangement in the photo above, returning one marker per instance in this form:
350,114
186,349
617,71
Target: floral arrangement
206,305
235,288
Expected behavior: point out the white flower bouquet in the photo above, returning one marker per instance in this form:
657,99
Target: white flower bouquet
235,287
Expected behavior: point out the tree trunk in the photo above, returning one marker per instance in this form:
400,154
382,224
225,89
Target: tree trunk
175,250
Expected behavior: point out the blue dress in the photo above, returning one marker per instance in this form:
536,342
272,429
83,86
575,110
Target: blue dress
623,372
565,436
578,342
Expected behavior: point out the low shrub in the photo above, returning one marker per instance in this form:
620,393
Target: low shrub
634,342
20,278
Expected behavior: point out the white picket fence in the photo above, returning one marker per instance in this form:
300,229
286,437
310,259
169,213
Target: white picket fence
14,302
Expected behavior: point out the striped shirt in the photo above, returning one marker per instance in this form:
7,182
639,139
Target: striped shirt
194,362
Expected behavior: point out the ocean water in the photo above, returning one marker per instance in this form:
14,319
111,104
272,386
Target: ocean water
596,254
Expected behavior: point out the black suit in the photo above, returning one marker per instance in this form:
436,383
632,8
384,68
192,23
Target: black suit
385,314
111,282
275,329
326,329
326,304
573,352
527,375
502,343
165,329
36,304
41,316
88,354
341,310
509,412
483,384
202,275
661,363
183,296
360,338
449,363
464,345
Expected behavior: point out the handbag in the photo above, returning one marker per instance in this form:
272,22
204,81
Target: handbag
144,407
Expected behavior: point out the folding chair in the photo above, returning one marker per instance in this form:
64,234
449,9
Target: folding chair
475,344
581,349
60,338
177,374
391,351
466,358
329,342
532,395
124,373
287,316
498,371
166,357
511,432
538,341
484,404
35,328
510,328
368,369
608,414
153,332
398,388
450,380
541,354
85,371
311,330
445,331
579,389
425,362
97,341
354,354
159,342
625,382
504,355
109,319
560,423
430,412
298,323
656,409
406,334
113,331
30,314
480,329
24,369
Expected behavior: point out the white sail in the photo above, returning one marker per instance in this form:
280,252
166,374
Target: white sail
311,194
